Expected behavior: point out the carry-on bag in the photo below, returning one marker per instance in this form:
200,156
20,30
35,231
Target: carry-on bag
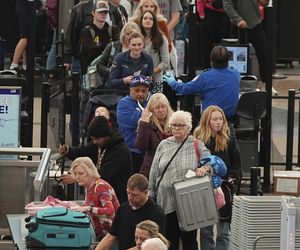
59,227
195,203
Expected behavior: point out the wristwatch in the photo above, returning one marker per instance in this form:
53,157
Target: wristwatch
91,209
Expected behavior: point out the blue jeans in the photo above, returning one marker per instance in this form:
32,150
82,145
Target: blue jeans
223,237
51,59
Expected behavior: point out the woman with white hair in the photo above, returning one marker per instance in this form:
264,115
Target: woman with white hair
101,201
154,244
173,158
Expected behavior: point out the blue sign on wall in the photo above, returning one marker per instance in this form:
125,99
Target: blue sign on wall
10,103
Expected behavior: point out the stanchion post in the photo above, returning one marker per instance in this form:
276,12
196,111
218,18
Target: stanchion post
188,100
75,109
30,71
269,23
44,114
290,130
254,175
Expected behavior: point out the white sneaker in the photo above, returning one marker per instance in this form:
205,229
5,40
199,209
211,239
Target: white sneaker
274,91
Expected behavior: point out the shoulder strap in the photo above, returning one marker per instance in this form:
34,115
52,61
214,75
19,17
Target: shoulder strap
165,169
113,49
92,31
197,151
111,54
110,31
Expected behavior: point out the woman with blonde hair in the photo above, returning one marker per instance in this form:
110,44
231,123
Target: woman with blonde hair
126,32
147,229
213,130
100,199
153,128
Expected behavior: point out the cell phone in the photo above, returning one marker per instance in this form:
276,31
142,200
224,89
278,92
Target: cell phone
169,72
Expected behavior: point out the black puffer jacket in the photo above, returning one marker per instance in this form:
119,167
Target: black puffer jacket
116,165
232,159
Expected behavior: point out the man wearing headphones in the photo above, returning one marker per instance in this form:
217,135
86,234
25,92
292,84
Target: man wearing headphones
218,86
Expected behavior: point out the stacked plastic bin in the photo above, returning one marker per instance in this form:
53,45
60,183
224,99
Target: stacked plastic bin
256,216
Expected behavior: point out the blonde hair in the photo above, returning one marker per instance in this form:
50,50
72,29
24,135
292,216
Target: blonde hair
153,230
154,100
136,17
87,164
134,35
186,116
204,132
130,26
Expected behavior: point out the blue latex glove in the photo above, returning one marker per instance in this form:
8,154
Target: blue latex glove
169,79
216,180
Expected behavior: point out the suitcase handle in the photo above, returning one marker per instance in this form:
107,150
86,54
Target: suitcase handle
60,211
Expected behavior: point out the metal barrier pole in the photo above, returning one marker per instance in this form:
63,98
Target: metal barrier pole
188,100
269,23
44,114
75,109
290,130
42,170
254,175
30,72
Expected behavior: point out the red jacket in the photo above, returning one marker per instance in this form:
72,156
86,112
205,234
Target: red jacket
201,6
103,199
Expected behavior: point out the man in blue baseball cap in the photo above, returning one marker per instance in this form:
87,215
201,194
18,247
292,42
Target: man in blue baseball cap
129,111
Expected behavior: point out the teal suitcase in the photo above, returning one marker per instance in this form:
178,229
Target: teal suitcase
59,227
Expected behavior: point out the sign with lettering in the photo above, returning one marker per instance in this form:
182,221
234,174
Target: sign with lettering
10,105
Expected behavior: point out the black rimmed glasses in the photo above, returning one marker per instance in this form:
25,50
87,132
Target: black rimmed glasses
177,125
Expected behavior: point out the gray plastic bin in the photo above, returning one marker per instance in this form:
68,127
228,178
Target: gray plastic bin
196,207
248,83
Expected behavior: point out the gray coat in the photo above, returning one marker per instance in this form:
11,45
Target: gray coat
160,58
248,11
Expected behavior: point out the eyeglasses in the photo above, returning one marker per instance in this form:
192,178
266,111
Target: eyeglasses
177,126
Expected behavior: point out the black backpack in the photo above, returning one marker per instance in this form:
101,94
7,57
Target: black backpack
83,56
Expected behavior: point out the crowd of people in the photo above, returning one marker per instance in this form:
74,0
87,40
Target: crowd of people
128,165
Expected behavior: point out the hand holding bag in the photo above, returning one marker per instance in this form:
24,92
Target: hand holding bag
218,192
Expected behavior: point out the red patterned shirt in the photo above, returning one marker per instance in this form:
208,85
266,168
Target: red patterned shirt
101,196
